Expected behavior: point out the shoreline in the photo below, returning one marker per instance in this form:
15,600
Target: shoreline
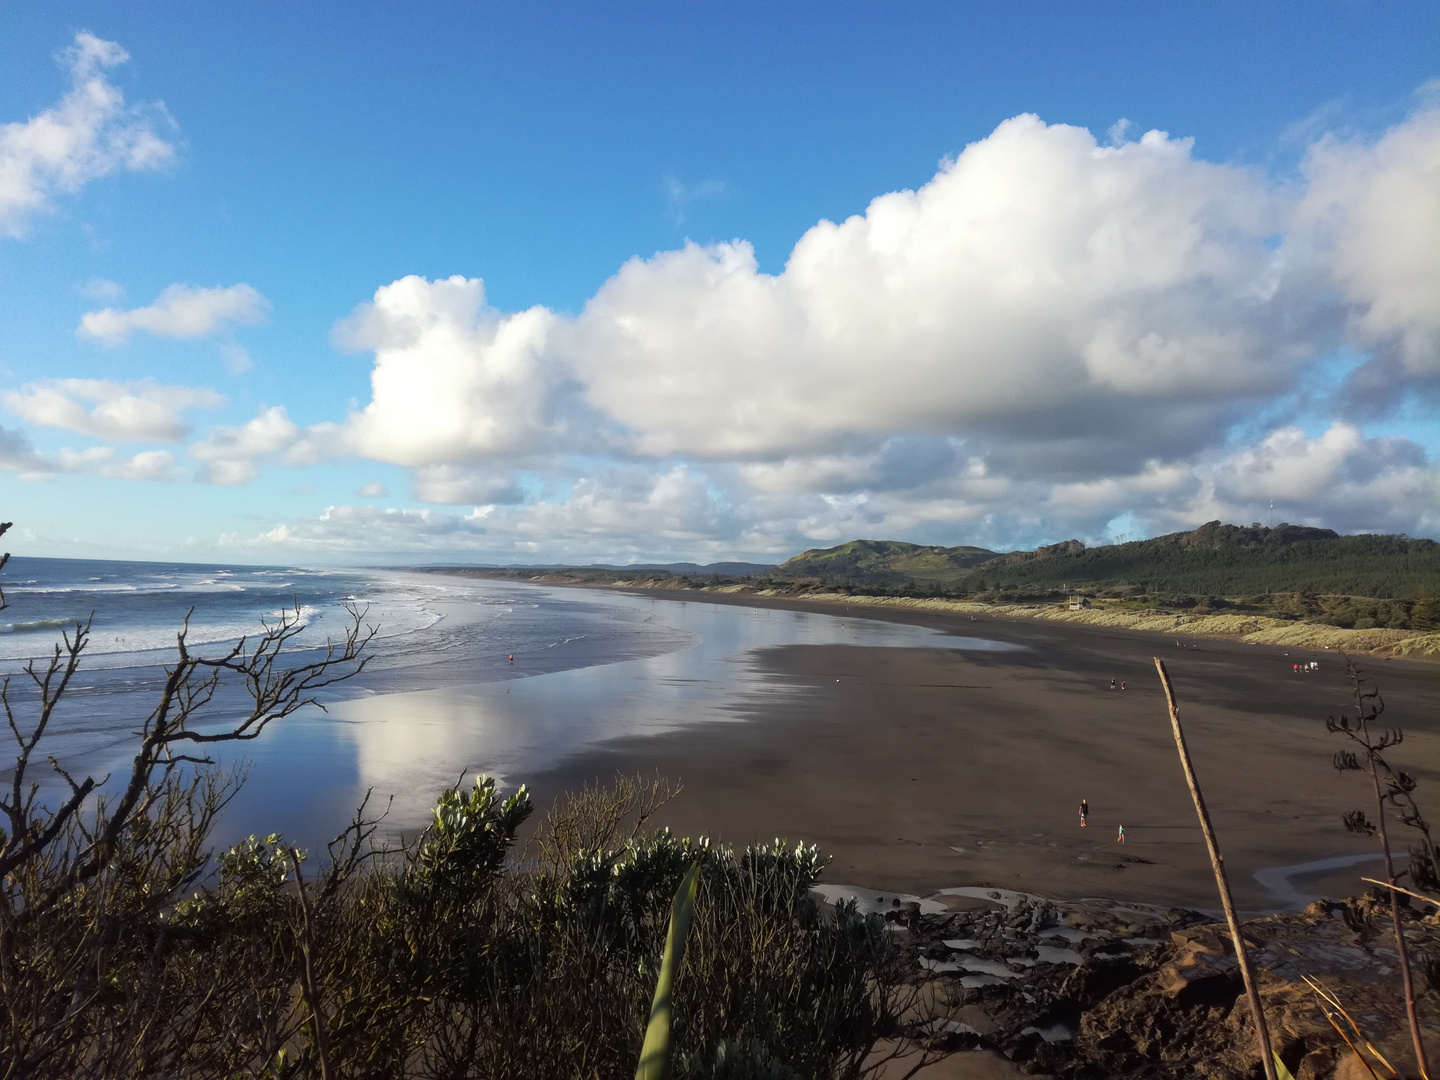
923,769
1375,642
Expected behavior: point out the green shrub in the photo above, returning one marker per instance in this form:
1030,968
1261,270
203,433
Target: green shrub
450,957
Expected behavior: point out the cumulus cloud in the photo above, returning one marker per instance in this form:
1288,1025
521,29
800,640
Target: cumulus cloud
102,460
18,455
1374,212
88,134
453,379
675,508
1337,478
1115,302
457,485
373,490
133,412
365,528
1039,280
1048,335
230,453
180,311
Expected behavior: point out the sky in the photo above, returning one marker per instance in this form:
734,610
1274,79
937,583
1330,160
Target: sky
501,283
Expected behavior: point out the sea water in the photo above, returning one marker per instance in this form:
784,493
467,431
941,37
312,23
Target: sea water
466,675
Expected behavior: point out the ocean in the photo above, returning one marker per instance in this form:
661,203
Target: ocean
441,697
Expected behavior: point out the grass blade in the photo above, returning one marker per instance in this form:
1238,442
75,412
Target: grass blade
656,1052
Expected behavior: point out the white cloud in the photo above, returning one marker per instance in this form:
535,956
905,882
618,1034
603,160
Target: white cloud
88,134
1096,306
1103,496
1038,282
1339,478
457,485
821,472
230,453
453,379
227,472
609,516
18,455
1375,212
1049,334
141,411
1288,465
180,311
368,528
624,513
147,465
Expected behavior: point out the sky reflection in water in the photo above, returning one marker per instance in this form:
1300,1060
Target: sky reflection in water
309,772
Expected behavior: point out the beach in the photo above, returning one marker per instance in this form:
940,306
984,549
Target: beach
918,769
921,749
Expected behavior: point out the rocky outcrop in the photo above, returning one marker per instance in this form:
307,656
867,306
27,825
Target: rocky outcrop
1214,534
1095,989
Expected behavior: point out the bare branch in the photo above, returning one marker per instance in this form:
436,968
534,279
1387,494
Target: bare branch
4,528
189,686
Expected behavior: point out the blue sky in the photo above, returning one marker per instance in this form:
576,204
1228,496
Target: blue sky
502,284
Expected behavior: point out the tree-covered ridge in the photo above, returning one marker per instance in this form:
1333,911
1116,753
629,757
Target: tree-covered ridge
885,560
1213,560
1209,562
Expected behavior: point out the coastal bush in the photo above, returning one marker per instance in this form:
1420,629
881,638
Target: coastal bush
445,958
126,950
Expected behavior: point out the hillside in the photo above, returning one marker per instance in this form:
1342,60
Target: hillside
885,562
1213,560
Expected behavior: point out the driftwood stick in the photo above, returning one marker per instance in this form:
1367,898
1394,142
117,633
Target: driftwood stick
1407,892
1217,864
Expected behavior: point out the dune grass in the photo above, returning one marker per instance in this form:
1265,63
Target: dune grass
1256,629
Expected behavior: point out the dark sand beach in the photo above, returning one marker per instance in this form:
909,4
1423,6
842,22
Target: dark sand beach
920,769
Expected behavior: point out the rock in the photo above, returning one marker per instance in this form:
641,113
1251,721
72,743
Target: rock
1176,1009
1350,1067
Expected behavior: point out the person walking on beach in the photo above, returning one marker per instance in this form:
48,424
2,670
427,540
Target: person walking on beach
1084,813
1120,836
1112,684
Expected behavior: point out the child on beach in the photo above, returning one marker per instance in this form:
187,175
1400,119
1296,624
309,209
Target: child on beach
1120,836
1084,813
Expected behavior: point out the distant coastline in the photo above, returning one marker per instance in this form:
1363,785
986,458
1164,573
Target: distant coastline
1252,629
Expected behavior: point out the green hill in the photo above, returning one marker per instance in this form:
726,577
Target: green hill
884,562
1213,560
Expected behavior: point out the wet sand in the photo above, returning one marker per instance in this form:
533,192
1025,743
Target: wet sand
919,769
